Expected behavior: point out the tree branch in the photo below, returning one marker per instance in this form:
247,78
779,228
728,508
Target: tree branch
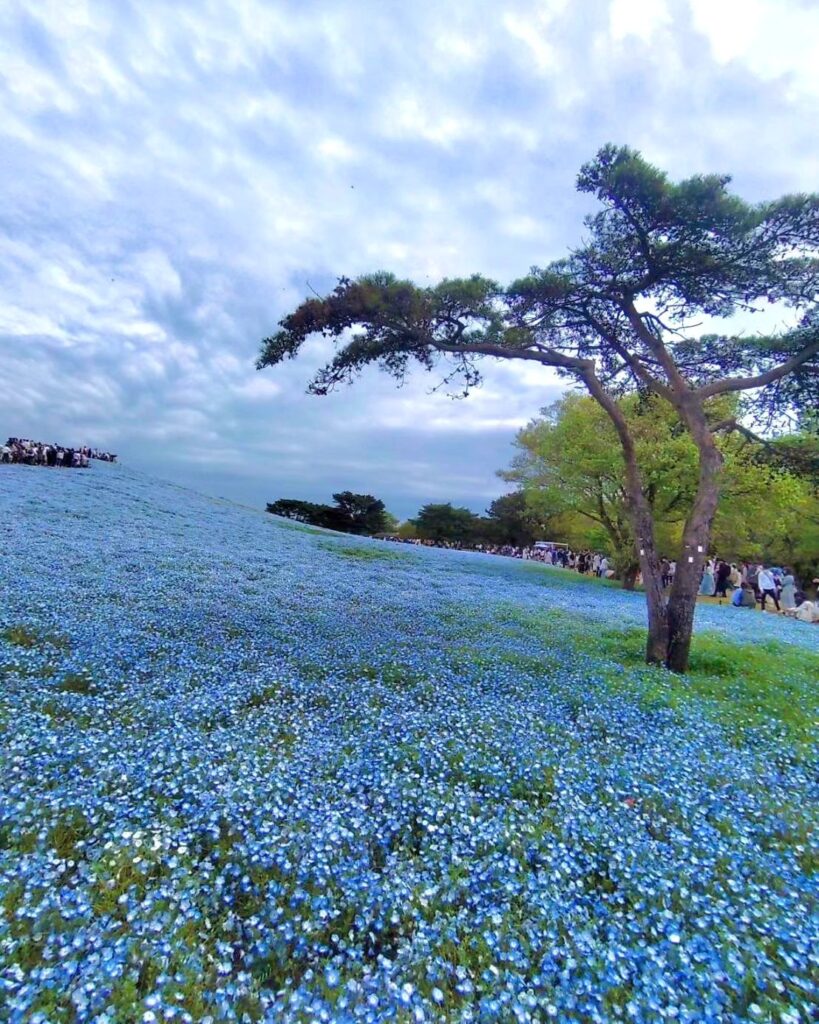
733,426
722,387
545,356
632,361
677,381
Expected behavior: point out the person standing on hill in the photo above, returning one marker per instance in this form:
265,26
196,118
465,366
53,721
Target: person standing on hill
766,585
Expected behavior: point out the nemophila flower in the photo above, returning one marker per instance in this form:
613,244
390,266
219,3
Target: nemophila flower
246,777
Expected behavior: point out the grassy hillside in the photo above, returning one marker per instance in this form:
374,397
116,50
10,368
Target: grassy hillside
257,772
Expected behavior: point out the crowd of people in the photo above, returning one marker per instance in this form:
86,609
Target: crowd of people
587,563
44,453
590,563
745,584
750,584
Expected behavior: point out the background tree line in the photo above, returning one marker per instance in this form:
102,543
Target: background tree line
349,513
571,485
508,519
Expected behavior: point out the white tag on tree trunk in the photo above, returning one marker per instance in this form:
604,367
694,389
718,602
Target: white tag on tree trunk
690,558
699,548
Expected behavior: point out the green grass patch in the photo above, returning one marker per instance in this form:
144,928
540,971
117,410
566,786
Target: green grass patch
572,578
76,682
363,554
21,636
744,687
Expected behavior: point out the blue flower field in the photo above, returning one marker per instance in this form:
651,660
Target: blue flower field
258,772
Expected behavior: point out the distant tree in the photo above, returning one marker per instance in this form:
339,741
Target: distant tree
351,513
443,522
359,513
301,511
511,521
785,524
619,314
391,523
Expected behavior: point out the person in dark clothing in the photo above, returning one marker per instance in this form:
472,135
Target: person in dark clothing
723,575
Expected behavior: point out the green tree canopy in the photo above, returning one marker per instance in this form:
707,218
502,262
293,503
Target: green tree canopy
351,513
444,522
359,513
300,511
511,520
570,461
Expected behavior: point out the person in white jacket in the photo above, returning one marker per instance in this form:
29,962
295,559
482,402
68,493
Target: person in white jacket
766,585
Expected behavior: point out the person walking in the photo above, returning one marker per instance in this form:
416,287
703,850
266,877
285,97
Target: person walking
766,585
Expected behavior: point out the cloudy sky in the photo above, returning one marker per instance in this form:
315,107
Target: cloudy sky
177,175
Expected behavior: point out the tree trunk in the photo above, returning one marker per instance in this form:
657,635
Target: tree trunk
694,552
649,561
643,522
630,577
658,625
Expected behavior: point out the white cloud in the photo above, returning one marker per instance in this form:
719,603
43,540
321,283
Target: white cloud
638,18
769,37
176,177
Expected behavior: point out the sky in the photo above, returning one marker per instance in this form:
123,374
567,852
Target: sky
177,176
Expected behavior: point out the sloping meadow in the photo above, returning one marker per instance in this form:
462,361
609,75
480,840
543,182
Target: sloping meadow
257,772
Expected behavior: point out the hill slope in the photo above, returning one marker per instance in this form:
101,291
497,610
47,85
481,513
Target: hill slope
250,768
